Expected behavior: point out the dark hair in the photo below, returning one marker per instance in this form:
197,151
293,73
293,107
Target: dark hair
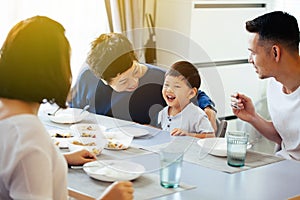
35,62
188,71
111,54
279,27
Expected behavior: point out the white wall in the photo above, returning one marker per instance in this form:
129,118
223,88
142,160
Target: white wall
290,6
83,21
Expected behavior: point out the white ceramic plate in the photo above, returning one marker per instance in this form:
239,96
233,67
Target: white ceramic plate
117,140
113,170
133,131
214,146
61,137
69,116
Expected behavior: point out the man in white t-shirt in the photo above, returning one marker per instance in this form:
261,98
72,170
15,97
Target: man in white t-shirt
274,53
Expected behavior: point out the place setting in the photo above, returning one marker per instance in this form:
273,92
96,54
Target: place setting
113,170
145,182
110,143
54,117
113,143
94,138
68,115
230,154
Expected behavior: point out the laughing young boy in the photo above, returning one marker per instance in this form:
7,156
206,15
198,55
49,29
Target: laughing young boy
181,116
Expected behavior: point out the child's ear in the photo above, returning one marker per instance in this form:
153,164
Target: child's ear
193,93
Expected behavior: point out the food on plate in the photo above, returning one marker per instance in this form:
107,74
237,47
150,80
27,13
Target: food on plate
90,128
62,135
114,144
91,146
84,134
82,144
96,151
87,127
117,140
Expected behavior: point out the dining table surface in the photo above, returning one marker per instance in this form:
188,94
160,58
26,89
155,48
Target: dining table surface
276,180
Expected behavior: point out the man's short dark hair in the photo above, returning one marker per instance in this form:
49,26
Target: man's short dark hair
277,27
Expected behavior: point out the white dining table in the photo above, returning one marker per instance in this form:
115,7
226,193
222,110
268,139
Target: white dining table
275,181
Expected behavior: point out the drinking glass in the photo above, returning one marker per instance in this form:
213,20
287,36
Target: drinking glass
236,148
170,168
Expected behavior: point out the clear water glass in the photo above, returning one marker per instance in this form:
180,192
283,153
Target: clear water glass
236,148
170,168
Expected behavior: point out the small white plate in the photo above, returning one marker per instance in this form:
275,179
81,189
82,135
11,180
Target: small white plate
117,140
113,170
61,137
133,131
69,116
214,146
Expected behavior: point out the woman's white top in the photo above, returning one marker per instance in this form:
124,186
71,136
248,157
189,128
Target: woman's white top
191,119
31,167
285,113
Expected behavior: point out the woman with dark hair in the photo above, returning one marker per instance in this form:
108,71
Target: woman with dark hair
35,68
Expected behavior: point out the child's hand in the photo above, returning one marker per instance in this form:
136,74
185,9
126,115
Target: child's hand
178,132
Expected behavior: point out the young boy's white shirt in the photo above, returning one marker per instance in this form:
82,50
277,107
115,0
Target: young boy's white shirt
191,119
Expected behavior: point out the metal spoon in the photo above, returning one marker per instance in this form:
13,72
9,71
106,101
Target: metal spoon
84,109
53,114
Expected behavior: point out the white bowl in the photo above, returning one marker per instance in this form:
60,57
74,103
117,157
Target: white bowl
93,145
117,140
88,130
61,137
